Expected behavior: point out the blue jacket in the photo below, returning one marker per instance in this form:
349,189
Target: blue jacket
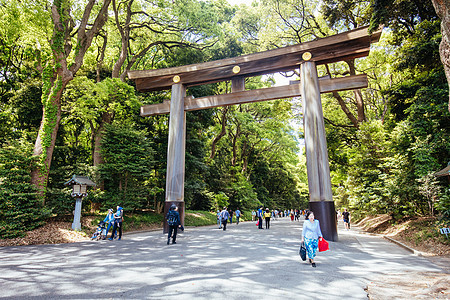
109,218
118,216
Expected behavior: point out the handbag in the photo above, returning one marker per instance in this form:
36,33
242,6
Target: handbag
257,223
302,251
323,245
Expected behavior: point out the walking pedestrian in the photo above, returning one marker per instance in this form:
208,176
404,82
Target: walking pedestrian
267,218
346,218
219,220
224,215
173,220
238,216
311,234
253,215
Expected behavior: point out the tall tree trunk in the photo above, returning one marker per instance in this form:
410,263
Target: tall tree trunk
222,132
442,8
101,56
345,109
245,155
125,37
57,74
235,139
358,95
97,156
343,105
46,139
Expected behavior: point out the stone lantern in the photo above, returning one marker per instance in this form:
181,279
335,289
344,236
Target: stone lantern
79,185
445,172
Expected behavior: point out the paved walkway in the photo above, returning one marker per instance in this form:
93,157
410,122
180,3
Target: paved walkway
207,263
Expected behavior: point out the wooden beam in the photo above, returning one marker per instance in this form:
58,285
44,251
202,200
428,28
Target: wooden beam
238,84
350,44
280,92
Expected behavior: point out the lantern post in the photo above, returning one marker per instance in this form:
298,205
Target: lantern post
79,190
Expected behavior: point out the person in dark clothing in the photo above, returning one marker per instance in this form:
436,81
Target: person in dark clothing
346,219
118,219
173,220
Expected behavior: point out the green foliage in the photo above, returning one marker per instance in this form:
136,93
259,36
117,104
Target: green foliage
425,229
20,208
199,218
128,160
196,192
401,16
221,200
442,205
366,169
89,101
140,219
349,13
421,50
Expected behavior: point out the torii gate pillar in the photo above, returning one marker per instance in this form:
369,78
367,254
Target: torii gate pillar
318,169
176,153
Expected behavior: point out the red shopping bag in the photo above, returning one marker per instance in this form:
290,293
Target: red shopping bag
323,245
257,223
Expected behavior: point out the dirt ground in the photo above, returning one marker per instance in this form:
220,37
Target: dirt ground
418,233
411,285
59,232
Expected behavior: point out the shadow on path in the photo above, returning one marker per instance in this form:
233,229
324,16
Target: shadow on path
207,263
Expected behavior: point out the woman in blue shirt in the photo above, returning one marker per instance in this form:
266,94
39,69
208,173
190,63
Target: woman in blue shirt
310,235
109,220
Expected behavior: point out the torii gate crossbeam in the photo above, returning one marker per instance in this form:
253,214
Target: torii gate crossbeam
347,45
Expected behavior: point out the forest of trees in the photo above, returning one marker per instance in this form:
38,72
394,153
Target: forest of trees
67,107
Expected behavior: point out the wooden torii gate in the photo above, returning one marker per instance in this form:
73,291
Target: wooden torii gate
340,47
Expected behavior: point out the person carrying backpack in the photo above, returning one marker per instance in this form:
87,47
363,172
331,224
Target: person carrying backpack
173,220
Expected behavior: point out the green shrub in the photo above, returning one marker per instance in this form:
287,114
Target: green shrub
20,207
199,218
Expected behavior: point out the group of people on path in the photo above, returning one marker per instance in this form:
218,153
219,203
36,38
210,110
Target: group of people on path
225,215
114,220
260,214
311,233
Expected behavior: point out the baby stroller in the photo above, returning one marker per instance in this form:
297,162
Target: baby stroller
100,233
